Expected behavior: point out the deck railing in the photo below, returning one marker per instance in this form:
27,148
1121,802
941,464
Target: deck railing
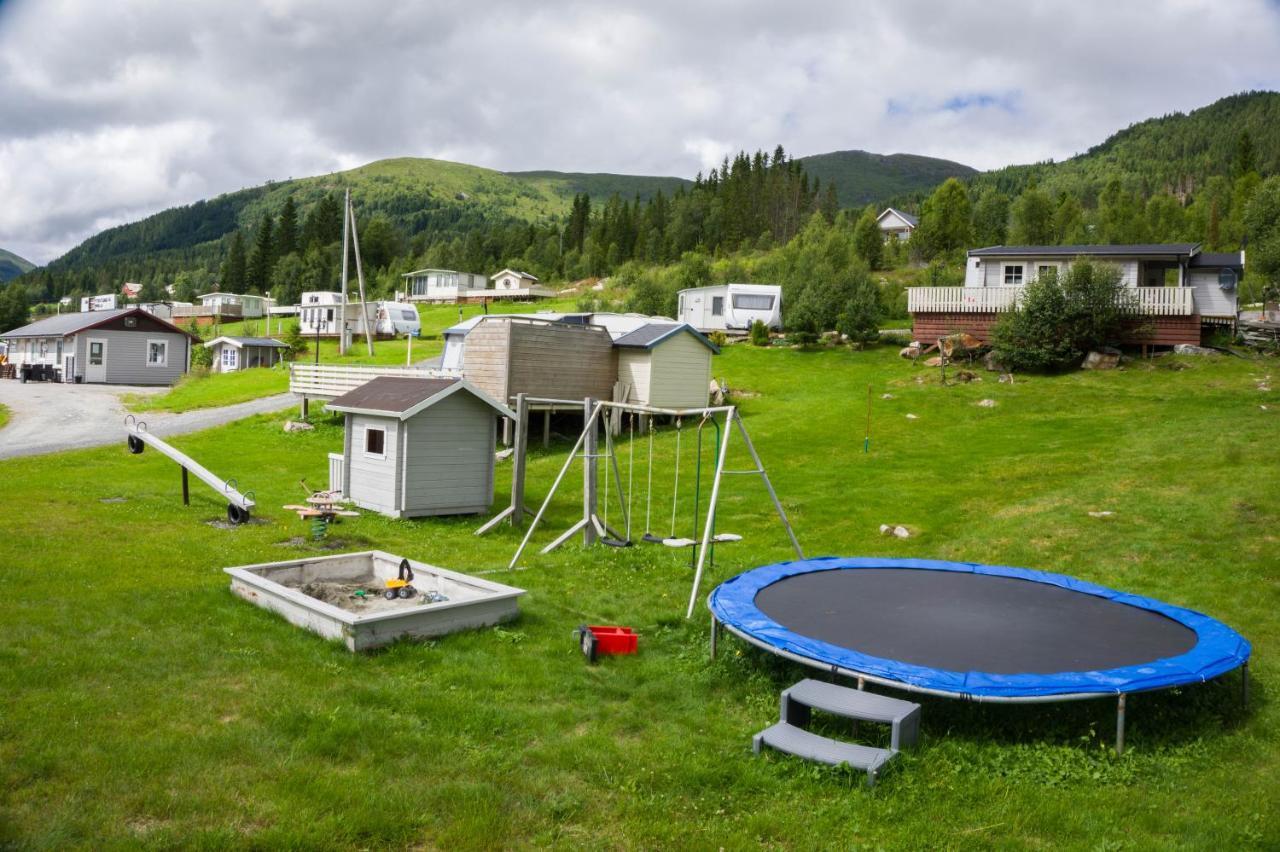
335,473
327,381
1149,301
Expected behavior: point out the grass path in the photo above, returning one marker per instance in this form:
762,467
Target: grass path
140,704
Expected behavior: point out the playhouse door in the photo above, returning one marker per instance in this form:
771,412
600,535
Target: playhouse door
95,364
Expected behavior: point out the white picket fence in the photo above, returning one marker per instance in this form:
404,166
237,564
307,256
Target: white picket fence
327,381
1150,301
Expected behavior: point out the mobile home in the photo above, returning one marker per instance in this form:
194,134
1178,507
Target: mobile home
731,307
442,285
323,314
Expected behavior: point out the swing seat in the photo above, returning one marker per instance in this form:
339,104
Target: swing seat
679,542
723,538
615,542
650,538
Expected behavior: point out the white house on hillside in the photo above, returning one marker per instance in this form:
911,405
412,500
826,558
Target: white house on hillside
441,285
895,224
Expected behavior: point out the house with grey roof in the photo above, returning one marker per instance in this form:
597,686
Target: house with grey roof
896,225
241,353
666,365
125,346
417,447
1176,289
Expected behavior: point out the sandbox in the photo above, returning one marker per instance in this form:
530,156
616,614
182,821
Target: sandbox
318,593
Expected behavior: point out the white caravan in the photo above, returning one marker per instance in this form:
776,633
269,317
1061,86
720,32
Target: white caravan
731,307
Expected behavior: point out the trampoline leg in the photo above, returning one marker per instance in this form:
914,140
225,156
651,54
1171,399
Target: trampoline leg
1120,725
1244,685
862,683
715,631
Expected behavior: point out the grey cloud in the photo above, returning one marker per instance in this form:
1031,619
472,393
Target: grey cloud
109,111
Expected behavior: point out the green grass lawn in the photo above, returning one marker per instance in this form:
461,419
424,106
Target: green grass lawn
4,415
144,705
203,389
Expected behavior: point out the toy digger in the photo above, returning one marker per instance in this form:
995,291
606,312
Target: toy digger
400,587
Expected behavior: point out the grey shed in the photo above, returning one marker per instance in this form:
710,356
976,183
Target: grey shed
417,447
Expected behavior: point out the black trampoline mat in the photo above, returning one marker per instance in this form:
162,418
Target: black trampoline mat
960,621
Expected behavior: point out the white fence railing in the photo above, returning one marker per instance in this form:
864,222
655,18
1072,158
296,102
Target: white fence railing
335,473
326,381
1150,301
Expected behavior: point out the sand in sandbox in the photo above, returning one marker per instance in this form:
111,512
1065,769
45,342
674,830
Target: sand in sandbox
341,595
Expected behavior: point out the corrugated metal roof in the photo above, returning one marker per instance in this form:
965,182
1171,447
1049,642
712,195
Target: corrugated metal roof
1218,259
649,336
64,324
1136,250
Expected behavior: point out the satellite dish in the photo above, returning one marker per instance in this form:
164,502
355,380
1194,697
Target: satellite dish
1227,279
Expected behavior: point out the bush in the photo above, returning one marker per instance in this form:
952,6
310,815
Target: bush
295,341
759,333
719,338
201,358
859,320
896,339
1059,320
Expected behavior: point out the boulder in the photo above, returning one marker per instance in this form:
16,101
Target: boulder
986,403
1107,359
1189,349
967,376
297,426
1005,378
895,530
991,361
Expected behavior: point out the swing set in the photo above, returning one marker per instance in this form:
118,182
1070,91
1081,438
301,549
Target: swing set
594,523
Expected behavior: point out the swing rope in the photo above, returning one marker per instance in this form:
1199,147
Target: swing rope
648,492
631,465
675,491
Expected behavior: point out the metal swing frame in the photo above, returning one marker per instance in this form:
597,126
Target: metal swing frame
586,448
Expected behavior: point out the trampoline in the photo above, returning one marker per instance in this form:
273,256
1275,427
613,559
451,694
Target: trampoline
978,632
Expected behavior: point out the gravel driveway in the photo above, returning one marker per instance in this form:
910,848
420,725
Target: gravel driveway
46,417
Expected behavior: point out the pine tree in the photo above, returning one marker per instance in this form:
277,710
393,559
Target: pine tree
287,230
262,257
235,268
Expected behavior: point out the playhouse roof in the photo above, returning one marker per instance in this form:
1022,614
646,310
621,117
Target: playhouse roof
402,397
650,335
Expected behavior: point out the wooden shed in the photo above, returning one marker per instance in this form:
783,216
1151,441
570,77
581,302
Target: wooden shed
418,447
505,356
666,365
240,353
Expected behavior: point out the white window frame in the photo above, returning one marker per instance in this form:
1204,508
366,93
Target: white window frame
1005,269
232,363
717,306
164,362
738,298
102,353
369,453
1041,267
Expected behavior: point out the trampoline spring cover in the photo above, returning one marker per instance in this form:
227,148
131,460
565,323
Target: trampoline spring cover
1213,647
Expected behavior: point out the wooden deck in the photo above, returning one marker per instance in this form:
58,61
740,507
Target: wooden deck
1152,331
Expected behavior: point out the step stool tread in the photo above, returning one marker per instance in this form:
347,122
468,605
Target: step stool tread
792,740
853,703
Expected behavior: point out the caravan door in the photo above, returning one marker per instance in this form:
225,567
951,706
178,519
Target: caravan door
692,313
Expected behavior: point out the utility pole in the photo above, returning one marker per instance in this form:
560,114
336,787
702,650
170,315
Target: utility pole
342,309
364,307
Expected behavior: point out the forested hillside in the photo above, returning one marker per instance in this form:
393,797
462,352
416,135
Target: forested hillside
11,266
861,177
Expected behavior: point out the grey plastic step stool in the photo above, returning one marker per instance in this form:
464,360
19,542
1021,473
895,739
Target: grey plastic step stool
790,735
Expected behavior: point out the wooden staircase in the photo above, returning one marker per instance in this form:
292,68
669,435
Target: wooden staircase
791,735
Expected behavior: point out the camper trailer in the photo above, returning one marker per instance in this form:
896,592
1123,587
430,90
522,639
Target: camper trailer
731,307
323,313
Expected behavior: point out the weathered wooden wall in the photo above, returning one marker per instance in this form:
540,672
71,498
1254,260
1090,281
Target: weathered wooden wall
1159,331
504,357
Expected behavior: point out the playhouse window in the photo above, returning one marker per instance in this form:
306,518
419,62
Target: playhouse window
375,442
1013,274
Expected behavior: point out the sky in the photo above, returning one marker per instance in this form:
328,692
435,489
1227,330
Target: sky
111,111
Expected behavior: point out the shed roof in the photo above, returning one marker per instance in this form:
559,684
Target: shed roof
1133,250
241,342
62,325
402,397
649,336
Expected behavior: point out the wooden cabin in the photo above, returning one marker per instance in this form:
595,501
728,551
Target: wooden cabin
239,353
666,365
505,356
418,447
126,346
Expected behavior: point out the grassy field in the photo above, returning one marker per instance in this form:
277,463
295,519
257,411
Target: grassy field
203,389
143,705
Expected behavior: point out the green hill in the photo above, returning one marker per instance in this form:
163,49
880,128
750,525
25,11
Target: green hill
1175,153
861,177
11,266
601,186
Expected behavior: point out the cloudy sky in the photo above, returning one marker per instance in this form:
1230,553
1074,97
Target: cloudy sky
110,111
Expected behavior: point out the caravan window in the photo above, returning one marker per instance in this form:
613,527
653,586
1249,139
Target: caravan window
717,306
752,302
